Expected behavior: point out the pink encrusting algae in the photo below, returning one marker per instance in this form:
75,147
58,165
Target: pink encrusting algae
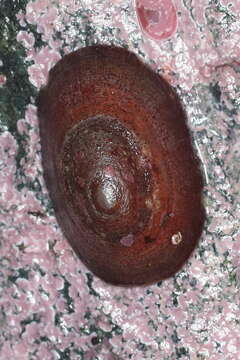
51,305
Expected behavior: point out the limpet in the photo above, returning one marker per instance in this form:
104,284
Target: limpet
119,165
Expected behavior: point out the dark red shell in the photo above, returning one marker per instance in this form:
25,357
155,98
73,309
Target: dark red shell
119,165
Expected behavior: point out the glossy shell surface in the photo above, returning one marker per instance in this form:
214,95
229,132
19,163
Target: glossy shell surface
119,165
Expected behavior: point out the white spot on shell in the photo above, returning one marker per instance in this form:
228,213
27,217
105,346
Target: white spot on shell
176,238
148,203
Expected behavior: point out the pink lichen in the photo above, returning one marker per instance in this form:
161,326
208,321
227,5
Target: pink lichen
43,62
26,38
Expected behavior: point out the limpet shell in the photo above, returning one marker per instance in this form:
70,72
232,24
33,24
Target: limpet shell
119,165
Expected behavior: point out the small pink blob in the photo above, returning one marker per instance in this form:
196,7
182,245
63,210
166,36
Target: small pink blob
157,18
3,79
